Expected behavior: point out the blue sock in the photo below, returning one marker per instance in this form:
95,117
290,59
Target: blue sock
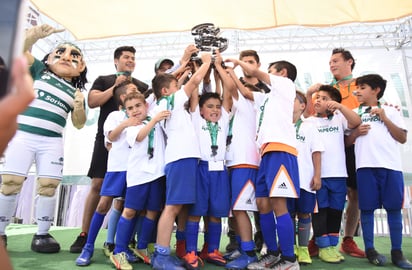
112,225
123,234
215,231
268,227
95,225
333,239
192,230
395,228
286,234
146,233
180,235
367,228
247,246
165,251
322,241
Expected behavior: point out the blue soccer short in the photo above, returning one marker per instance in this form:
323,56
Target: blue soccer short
380,187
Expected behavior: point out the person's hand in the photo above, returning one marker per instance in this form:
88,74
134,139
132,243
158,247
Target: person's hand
233,62
189,51
218,58
16,101
78,99
313,88
206,58
378,112
315,183
38,32
333,105
162,116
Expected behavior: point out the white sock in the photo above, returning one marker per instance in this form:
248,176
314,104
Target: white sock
44,213
7,209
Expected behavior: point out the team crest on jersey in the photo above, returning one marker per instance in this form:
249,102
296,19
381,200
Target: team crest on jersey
282,185
246,199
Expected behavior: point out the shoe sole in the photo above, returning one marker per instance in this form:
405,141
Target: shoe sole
352,254
46,250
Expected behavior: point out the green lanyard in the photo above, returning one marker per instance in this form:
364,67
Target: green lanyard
125,113
297,125
262,113
213,130
229,133
150,148
367,110
335,83
170,101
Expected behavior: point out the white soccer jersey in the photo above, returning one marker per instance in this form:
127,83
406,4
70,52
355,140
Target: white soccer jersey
308,142
378,149
140,167
181,137
46,115
119,153
243,149
275,112
204,135
331,132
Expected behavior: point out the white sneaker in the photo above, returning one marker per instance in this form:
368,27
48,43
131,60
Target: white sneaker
265,262
287,265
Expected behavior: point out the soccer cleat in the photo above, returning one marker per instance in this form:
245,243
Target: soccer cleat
85,256
216,258
313,248
143,254
374,257
108,249
120,261
233,255
241,262
399,260
286,265
266,261
337,253
4,240
192,261
203,252
180,248
303,256
165,262
44,244
350,247
328,255
79,243
131,258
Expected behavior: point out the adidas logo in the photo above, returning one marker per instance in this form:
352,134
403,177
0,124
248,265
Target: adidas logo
249,201
283,186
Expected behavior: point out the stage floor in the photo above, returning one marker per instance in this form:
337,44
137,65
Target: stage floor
19,240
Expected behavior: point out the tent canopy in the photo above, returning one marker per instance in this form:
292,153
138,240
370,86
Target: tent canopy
97,19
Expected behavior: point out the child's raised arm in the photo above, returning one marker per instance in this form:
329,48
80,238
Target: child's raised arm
147,128
197,77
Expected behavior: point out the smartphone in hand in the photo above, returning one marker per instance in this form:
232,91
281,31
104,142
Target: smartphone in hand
12,16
